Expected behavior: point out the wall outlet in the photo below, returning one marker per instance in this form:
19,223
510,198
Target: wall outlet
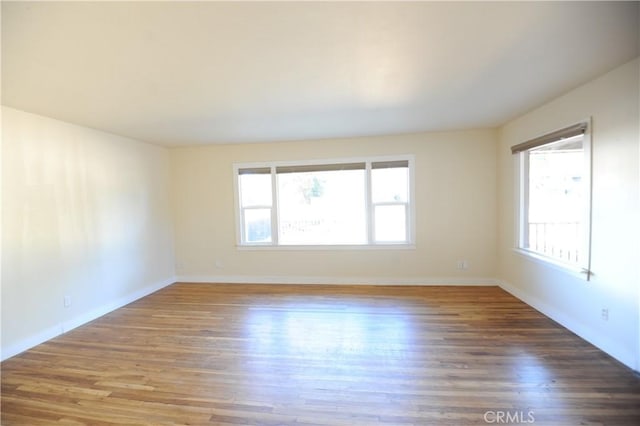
604,314
219,264
67,301
462,264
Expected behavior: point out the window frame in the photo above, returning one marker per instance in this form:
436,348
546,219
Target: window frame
274,244
521,176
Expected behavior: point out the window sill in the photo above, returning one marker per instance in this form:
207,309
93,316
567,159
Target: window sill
327,247
575,270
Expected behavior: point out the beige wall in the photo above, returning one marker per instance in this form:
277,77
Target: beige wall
455,208
85,214
612,102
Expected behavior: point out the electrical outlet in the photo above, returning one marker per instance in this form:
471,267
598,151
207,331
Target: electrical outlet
462,264
67,301
604,314
219,264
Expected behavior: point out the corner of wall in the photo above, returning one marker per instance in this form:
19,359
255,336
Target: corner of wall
42,336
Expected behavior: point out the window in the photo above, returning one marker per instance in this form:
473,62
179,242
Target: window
555,196
339,202
390,200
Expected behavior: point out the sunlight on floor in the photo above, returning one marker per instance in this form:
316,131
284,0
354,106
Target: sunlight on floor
331,331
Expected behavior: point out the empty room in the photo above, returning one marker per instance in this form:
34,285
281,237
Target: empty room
320,213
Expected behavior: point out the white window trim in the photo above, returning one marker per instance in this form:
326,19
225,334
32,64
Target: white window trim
583,269
371,244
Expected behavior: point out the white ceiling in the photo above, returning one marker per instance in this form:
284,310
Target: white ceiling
213,72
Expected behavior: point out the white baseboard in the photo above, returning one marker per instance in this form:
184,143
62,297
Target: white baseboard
51,332
251,279
31,341
600,341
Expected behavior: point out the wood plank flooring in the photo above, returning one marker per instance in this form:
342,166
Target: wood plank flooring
319,355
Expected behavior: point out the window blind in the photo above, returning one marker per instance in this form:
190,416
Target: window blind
320,168
390,164
567,132
255,171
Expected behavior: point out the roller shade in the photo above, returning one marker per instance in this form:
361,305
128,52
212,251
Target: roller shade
565,133
320,168
390,164
255,171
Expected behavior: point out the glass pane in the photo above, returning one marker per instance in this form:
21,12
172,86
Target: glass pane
390,184
390,223
257,225
255,190
322,207
556,194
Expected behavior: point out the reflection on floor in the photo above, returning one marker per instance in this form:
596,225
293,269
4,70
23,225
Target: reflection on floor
324,355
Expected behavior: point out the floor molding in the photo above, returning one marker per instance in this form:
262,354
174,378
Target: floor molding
600,341
251,279
65,326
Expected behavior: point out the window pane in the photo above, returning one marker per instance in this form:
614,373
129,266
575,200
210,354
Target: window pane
322,207
390,184
257,225
255,189
390,223
556,194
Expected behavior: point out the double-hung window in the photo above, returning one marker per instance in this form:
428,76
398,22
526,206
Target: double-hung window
390,200
257,204
554,196
342,202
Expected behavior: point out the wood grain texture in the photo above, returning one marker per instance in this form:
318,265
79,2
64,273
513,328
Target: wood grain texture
202,354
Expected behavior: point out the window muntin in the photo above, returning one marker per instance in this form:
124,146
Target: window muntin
554,220
342,203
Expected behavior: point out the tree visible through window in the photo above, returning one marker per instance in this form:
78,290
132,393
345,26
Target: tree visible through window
322,206
334,203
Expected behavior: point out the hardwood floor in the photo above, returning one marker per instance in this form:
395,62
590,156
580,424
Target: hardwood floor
323,355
